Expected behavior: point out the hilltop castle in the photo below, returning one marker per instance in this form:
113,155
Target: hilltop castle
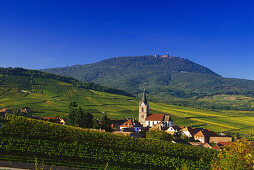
163,56
150,120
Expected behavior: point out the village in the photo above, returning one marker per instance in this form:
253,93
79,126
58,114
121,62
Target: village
152,122
161,122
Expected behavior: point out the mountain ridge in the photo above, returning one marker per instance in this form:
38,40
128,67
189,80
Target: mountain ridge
162,76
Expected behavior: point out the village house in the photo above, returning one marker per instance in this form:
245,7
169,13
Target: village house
150,120
173,130
200,144
115,124
131,125
204,135
219,139
188,131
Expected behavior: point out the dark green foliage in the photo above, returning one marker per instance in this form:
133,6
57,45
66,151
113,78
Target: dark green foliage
33,138
78,117
86,119
105,123
158,135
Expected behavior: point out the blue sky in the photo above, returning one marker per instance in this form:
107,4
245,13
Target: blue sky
39,34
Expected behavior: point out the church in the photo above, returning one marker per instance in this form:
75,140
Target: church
150,120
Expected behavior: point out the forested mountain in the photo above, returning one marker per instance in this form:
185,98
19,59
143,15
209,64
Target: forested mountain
163,77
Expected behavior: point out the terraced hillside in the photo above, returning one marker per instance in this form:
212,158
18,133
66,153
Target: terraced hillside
50,97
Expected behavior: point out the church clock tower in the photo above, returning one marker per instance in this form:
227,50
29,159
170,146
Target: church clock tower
143,109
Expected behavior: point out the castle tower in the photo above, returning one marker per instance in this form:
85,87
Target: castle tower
143,109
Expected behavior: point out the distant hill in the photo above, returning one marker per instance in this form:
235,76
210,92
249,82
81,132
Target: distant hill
163,77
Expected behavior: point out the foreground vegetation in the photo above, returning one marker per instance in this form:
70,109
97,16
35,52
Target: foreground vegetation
29,139
238,155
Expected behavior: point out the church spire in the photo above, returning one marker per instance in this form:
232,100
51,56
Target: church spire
144,96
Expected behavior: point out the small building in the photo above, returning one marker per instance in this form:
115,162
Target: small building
131,124
203,145
219,139
115,124
173,130
25,110
202,136
188,131
154,119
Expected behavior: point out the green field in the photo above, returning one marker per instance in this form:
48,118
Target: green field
235,100
48,97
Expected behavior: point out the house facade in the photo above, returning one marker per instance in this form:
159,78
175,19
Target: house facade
173,130
187,131
164,120
131,125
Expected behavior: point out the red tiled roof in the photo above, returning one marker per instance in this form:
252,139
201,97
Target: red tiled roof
202,133
131,123
216,147
155,117
225,143
3,110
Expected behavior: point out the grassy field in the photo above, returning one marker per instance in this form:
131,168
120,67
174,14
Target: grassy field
47,97
235,100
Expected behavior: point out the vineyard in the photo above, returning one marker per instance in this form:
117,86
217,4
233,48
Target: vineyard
51,97
27,139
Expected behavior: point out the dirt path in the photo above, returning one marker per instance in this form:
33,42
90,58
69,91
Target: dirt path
22,166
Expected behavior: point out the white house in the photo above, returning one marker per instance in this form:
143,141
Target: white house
173,129
188,131
154,119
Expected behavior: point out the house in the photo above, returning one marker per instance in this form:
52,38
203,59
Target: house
219,139
203,145
131,125
188,131
150,120
216,147
202,136
173,130
115,124
25,110
154,119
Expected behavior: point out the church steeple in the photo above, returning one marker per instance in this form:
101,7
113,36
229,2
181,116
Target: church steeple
144,97
143,109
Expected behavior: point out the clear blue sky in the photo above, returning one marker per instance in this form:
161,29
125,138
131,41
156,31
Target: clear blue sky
39,34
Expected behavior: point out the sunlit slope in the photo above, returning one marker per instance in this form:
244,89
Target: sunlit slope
48,97
233,121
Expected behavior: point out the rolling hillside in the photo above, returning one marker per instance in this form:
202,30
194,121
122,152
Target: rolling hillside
163,77
51,97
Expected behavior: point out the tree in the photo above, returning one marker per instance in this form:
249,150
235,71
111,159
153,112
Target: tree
159,135
85,119
72,116
105,122
78,117
239,155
